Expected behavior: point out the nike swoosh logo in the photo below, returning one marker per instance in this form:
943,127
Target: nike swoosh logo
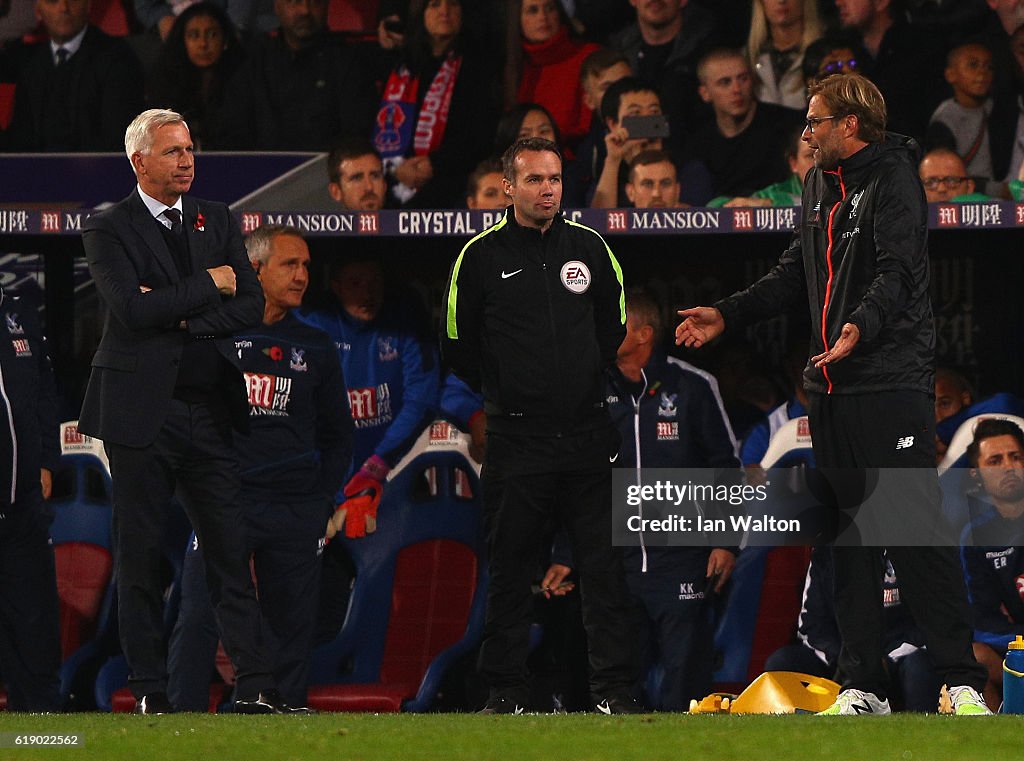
507,275
613,459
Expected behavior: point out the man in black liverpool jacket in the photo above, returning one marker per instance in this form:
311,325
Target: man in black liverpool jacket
861,258
164,394
534,312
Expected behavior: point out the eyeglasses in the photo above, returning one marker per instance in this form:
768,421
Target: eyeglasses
834,67
932,183
814,121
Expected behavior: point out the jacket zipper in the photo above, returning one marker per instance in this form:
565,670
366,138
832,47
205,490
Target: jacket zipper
551,310
14,437
828,286
636,444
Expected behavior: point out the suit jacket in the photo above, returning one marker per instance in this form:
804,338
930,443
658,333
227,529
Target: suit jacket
136,364
104,89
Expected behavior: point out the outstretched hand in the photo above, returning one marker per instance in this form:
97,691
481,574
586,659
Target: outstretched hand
848,338
699,326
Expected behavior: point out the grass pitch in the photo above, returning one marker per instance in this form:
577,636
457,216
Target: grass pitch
575,737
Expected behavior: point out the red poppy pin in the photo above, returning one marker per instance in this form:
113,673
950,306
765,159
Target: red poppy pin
200,222
275,353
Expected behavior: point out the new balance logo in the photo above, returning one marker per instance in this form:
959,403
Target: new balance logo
507,275
861,708
905,443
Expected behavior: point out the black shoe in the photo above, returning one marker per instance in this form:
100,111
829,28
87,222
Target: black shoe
266,701
154,704
502,705
618,704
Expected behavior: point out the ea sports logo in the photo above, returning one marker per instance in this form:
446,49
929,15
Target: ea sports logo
575,276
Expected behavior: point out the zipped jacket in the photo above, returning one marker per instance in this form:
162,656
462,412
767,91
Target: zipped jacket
673,418
861,256
531,320
28,405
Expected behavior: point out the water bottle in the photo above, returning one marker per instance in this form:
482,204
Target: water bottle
1013,677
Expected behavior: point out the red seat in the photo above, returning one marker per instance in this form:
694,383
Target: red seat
6,104
83,576
111,17
418,599
781,594
358,16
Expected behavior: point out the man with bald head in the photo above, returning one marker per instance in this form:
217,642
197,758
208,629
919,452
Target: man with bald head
945,179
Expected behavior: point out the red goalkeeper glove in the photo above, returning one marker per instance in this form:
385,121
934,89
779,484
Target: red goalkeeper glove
358,513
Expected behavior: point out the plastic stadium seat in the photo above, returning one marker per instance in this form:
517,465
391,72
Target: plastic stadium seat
81,533
767,583
357,16
789,445
418,600
111,17
6,104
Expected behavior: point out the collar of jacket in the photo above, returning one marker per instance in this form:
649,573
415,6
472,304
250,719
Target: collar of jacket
559,48
532,234
863,159
654,372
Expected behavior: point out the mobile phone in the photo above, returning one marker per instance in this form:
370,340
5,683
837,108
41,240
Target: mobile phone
394,25
653,126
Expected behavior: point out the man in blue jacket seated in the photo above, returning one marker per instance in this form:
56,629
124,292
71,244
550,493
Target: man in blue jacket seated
817,652
670,415
993,551
292,464
391,370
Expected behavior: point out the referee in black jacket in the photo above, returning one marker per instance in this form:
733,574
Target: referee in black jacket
534,312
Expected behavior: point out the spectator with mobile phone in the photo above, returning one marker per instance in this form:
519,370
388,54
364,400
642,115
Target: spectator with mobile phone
632,114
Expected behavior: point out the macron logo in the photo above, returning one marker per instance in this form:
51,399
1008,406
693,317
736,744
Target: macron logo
905,443
507,275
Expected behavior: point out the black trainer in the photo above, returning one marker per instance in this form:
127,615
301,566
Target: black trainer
154,704
266,701
618,704
501,705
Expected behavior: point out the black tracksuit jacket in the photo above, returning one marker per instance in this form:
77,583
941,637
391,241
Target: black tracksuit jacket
861,256
531,320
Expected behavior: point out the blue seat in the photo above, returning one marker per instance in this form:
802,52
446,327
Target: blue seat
81,534
417,604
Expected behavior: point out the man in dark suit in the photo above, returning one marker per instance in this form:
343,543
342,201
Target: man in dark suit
165,392
78,91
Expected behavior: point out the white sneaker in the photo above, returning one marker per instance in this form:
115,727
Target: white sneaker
855,702
962,701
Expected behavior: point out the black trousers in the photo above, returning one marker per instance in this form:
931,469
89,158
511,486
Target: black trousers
285,540
529,483
674,622
29,610
873,431
193,456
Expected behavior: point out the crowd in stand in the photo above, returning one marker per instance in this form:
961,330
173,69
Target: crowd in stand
440,88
